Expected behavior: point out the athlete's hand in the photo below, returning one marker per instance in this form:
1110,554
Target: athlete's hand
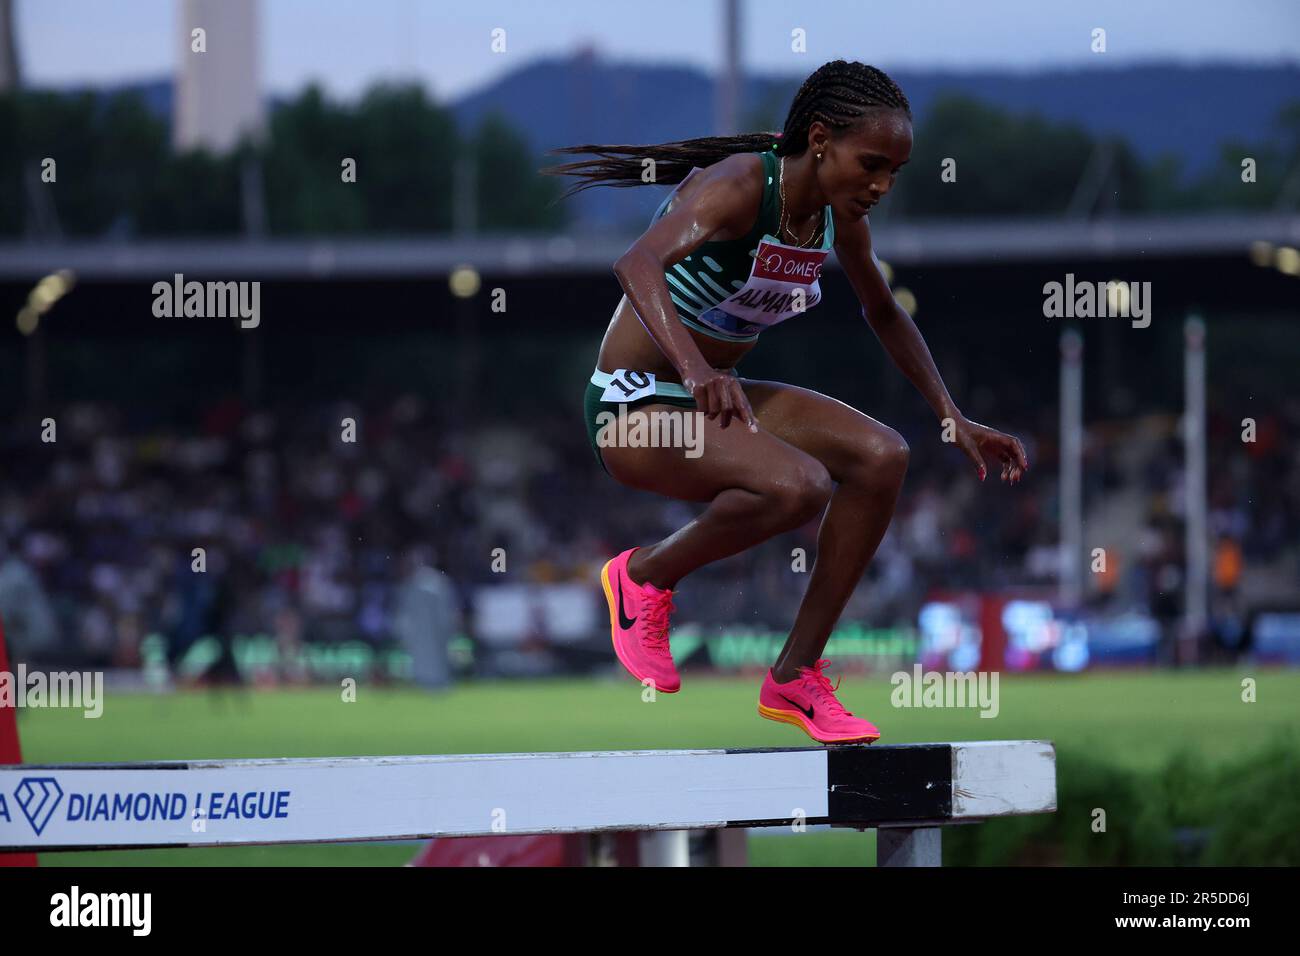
719,393
978,440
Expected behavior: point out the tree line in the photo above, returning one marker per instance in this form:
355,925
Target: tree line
119,177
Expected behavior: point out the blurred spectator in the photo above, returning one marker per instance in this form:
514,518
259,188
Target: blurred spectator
425,618
25,612
310,539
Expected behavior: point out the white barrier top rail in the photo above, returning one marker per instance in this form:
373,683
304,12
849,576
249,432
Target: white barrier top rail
238,802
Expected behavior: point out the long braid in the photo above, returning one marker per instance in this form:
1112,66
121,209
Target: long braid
672,160
838,93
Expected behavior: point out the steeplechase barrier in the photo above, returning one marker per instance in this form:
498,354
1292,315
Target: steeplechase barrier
907,791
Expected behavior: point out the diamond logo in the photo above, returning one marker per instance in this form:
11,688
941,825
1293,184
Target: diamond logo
37,797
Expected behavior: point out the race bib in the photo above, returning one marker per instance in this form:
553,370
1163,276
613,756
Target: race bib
628,386
783,282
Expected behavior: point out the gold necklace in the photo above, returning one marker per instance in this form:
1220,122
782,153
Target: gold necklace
784,224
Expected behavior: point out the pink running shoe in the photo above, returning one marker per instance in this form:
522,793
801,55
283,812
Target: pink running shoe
809,703
638,623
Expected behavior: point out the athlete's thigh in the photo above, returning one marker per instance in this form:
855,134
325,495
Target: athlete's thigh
715,459
837,435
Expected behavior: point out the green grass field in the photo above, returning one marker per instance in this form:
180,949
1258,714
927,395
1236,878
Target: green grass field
1135,719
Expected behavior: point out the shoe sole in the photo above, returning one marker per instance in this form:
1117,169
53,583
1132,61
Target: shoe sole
792,717
613,633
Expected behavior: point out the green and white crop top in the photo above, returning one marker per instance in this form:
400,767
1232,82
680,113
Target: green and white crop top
733,289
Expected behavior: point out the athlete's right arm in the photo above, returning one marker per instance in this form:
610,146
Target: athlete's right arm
721,199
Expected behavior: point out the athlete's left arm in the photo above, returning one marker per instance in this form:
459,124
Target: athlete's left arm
902,340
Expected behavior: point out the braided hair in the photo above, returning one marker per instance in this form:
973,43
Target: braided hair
839,93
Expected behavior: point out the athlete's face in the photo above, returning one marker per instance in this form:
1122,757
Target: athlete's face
858,167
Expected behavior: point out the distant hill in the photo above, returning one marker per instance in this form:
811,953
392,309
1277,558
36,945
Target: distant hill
1183,110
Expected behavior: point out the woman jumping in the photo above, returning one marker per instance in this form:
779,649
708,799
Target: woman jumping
735,249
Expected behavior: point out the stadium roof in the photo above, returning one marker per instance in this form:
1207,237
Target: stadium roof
902,244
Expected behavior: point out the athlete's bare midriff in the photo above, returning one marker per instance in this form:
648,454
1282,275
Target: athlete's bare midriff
628,345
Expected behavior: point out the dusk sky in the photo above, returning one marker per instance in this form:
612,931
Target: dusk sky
346,44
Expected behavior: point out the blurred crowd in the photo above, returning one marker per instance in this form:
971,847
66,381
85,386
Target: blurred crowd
307,536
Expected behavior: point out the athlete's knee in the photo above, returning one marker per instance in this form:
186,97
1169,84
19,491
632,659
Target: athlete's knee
895,455
799,491
878,460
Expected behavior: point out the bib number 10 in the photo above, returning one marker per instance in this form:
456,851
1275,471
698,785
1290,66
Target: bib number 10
627,386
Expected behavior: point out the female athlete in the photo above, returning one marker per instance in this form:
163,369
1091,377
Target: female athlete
735,249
